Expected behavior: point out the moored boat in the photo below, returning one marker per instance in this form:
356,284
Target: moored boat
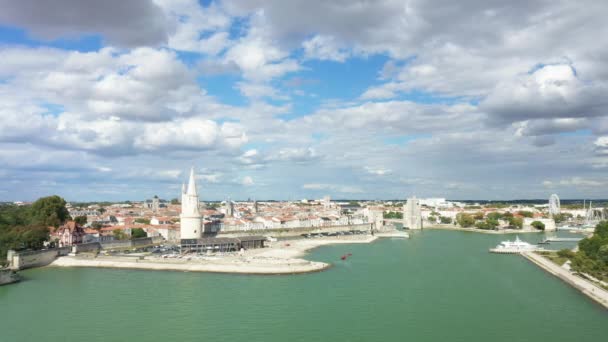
516,246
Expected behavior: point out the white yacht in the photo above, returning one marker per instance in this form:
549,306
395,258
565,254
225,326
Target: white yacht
514,246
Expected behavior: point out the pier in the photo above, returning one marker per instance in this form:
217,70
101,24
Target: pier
558,239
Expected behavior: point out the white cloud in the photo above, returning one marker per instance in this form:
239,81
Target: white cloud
378,171
344,189
247,181
324,48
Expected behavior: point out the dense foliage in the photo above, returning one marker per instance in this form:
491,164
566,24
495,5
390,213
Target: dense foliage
538,225
26,227
465,220
81,220
445,219
393,215
592,257
138,233
526,213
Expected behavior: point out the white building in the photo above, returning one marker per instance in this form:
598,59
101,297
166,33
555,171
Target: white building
190,218
412,217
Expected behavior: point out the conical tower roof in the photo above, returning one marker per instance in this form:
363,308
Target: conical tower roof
191,184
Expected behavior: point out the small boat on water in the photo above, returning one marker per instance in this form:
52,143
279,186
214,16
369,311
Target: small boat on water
345,256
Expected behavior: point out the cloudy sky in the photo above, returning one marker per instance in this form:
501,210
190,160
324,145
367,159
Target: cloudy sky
116,100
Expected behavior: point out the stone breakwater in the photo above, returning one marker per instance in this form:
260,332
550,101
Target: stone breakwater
589,289
284,257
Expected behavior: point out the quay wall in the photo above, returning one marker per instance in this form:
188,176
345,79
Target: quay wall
295,231
588,288
126,244
91,247
28,259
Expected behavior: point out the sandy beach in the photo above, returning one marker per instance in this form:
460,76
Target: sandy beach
282,257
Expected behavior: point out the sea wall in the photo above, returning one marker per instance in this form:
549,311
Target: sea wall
91,247
28,259
295,231
135,243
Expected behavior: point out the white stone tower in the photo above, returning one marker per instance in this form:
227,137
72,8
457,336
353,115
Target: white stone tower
191,218
412,217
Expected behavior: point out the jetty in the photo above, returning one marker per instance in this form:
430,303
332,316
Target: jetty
8,276
558,239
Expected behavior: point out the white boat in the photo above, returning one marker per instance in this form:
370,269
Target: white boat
516,246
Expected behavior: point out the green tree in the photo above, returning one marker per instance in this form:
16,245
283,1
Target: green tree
495,216
465,220
96,225
566,253
433,219
538,225
49,211
119,234
81,220
445,219
393,215
488,224
142,220
526,213
516,222
478,215
175,201
138,233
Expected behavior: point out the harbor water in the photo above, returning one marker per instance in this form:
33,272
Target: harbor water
435,286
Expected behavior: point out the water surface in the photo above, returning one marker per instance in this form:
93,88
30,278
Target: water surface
436,286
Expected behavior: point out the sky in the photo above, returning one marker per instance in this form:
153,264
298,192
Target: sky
117,100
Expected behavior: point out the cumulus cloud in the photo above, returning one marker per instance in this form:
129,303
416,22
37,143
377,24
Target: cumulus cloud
122,23
247,181
344,189
575,182
299,155
549,92
378,171
324,48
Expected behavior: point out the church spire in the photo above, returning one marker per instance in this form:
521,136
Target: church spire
191,184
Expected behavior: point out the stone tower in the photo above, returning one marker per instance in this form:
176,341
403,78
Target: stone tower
412,216
190,219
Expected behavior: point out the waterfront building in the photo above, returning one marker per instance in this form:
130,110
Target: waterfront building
229,208
190,218
67,234
412,217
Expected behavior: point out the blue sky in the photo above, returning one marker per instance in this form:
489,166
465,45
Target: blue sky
300,99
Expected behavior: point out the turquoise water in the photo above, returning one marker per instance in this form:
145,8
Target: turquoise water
436,286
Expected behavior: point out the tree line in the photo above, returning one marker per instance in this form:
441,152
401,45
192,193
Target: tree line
27,226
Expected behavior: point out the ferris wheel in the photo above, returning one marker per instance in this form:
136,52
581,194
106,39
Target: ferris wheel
554,206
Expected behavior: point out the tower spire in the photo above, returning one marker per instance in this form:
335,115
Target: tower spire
191,183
